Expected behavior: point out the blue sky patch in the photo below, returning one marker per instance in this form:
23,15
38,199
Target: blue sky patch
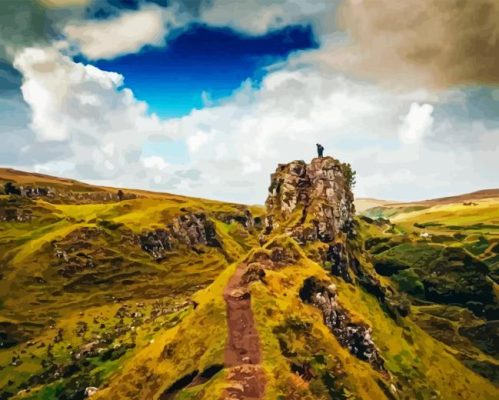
201,60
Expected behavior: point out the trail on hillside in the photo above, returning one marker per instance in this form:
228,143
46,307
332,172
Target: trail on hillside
242,352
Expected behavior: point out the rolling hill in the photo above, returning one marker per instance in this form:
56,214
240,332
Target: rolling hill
386,208
125,294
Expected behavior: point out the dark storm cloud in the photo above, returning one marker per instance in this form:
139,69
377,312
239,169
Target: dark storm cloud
22,23
440,43
33,22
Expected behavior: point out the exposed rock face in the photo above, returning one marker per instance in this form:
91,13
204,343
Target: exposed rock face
313,200
65,196
188,229
244,218
192,229
355,337
71,253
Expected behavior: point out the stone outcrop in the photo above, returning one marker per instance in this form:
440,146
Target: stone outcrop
66,195
356,337
312,201
244,218
188,229
72,253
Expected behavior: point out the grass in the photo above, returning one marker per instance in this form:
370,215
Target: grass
440,217
471,231
197,343
424,353
417,255
35,296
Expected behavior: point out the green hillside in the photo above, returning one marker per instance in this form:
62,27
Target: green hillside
136,295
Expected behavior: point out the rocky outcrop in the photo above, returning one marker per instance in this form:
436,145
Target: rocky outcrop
312,201
245,218
15,215
61,194
16,209
356,337
188,229
192,229
72,253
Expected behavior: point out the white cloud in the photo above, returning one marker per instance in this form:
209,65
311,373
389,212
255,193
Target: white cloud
52,82
127,33
155,162
254,130
257,17
94,122
250,166
417,123
96,128
281,121
196,141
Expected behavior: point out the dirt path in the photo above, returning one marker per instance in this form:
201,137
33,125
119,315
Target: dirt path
242,352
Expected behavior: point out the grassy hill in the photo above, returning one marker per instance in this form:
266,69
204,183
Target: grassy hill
364,203
384,209
444,254
131,293
72,263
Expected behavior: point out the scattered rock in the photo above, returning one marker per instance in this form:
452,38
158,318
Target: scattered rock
90,391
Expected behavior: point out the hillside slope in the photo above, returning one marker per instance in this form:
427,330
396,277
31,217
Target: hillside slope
375,208
137,295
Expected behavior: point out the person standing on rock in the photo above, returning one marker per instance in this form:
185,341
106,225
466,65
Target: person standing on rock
320,150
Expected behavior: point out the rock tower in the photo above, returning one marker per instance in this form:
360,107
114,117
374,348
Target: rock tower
312,201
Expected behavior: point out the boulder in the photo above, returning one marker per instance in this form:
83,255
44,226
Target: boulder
90,391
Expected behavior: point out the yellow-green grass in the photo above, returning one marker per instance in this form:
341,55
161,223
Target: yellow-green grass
420,365
408,350
33,354
28,253
277,302
197,343
457,214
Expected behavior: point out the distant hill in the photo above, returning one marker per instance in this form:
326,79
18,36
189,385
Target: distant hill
380,208
73,188
478,195
33,178
365,203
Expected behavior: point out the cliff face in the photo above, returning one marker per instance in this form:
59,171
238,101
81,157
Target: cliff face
312,201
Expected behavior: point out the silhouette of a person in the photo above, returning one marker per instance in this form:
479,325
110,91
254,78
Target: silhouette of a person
320,150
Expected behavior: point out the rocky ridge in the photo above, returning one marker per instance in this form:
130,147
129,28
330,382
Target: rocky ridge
313,203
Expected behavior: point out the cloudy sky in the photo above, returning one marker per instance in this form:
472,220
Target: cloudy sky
205,97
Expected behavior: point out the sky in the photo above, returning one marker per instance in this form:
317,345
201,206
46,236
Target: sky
206,97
